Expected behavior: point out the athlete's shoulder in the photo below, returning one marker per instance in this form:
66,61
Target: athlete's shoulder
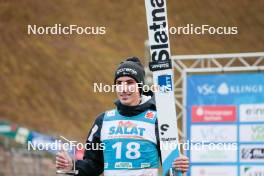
99,119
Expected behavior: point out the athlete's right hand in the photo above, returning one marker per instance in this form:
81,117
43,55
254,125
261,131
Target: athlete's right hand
64,161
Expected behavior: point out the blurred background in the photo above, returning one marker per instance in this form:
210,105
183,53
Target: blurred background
46,81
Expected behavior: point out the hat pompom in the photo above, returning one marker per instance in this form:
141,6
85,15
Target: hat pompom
134,59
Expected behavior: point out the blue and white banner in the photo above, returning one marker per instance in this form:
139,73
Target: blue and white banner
41,142
226,111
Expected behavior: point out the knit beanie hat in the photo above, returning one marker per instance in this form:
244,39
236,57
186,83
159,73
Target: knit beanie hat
133,68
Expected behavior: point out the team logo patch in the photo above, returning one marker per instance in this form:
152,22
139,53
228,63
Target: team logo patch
145,165
126,165
110,113
150,115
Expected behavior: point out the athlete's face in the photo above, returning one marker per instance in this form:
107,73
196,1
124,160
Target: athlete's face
127,91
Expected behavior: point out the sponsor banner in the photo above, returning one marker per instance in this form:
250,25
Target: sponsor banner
252,133
8,130
252,153
252,170
206,170
213,155
214,113
213,133
43,142
22,135
251,113
229,89
226,108
35,140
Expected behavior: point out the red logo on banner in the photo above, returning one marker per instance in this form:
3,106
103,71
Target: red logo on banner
214,113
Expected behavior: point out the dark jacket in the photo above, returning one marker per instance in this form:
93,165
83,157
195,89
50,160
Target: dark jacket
93,160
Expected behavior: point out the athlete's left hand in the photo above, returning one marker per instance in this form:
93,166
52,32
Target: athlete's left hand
181,164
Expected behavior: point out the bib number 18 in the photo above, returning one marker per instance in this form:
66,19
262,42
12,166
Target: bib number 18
132,150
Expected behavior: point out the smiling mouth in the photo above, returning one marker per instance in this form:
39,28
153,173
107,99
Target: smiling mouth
125,96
